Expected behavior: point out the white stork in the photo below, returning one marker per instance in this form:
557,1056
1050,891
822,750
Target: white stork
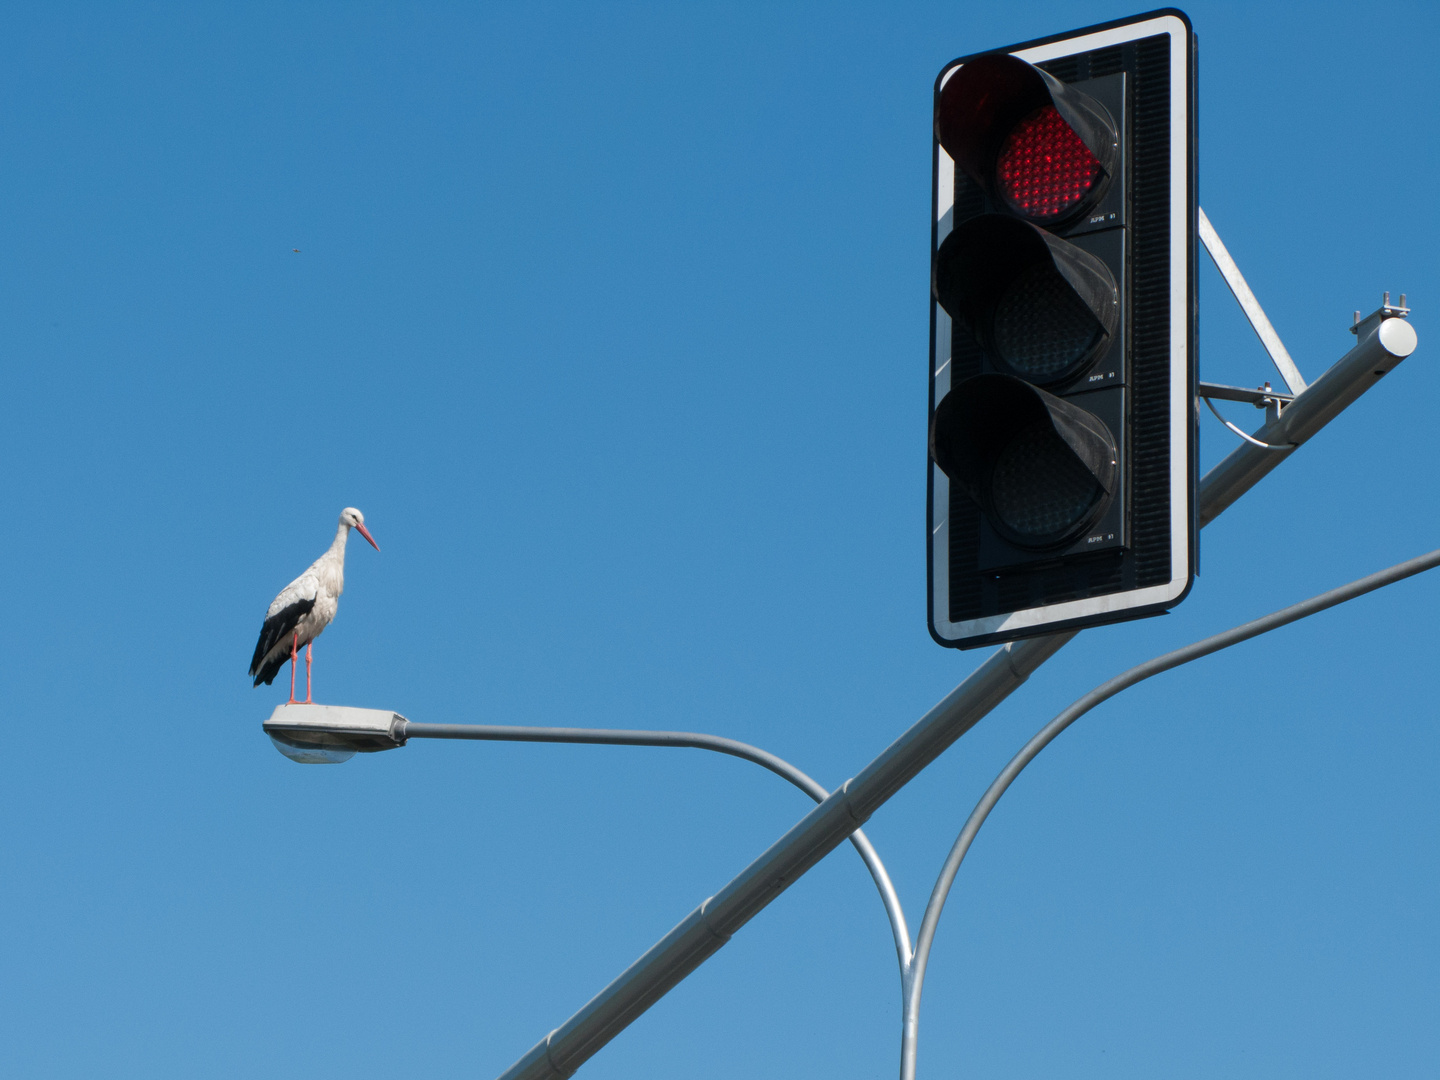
304,608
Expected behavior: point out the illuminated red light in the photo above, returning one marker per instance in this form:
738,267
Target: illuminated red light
1044,168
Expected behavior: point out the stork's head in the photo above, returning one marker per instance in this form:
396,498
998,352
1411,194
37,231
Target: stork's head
354,519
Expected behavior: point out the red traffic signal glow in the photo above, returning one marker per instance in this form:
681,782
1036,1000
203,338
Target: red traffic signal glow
1041,148
1044,169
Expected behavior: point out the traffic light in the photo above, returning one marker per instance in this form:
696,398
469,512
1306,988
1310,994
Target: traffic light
1062,383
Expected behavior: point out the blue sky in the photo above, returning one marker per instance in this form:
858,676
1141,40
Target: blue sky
613,321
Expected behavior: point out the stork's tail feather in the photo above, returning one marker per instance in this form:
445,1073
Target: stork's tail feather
267,672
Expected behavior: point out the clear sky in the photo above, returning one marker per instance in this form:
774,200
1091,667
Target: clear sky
613,321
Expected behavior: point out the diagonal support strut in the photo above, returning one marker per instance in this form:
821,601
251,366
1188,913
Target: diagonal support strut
1253,311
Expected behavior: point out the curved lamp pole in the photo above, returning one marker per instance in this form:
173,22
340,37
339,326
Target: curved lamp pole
915,978
329,734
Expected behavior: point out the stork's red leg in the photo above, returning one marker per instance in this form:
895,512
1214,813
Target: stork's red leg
294,647
308,648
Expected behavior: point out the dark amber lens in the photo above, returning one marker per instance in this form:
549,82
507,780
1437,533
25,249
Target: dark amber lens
1042,329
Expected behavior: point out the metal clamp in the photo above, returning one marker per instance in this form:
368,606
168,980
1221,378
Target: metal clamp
1386,310
1261,398
1272,401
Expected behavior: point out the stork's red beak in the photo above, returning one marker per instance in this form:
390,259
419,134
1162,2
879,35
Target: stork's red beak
366,533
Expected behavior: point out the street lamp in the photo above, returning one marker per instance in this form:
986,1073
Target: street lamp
331,734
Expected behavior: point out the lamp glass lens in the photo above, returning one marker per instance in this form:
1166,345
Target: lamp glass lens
1042,328
1039,489
1044,169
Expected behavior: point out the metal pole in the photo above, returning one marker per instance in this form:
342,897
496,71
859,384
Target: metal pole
1382,344
409,729
910,1022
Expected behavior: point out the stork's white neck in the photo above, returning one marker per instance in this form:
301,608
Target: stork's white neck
337,546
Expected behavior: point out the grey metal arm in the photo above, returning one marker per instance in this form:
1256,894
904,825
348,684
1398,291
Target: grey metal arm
1043,738
407,729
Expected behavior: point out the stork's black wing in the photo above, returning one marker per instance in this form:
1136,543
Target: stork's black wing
277,628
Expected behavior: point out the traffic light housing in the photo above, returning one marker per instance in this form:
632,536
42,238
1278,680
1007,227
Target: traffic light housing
1062,424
